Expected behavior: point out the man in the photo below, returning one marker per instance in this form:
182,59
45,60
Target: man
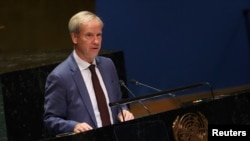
70,102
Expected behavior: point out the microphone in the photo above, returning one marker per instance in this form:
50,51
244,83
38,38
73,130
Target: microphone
144,106
145,85
139,83
156,89
161,93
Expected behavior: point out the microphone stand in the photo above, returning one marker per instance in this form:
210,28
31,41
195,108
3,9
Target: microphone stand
144,106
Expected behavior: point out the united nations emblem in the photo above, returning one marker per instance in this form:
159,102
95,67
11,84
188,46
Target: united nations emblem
190,127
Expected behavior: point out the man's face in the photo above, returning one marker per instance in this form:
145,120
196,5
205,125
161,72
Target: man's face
88,40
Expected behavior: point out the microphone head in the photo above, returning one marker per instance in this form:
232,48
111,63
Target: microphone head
121,82
134,81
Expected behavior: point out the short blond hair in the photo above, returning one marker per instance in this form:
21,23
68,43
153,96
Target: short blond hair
81,18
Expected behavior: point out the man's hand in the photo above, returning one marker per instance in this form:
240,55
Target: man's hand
82,127
125,115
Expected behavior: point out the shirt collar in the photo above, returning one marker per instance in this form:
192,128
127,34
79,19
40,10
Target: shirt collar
83,65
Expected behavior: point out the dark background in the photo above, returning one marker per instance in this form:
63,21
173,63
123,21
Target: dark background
166,44
172,43
35,33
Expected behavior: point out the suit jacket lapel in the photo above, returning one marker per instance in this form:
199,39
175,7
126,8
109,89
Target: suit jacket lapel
83,92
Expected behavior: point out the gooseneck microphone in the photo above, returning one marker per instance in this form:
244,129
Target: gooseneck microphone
158,90
150,87
144,106
171,94
139,83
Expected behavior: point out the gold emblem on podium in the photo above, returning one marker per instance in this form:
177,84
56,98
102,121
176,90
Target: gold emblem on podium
190,127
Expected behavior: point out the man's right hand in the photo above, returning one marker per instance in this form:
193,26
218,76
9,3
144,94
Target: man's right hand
82,127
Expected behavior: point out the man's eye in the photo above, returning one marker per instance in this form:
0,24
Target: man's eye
89,35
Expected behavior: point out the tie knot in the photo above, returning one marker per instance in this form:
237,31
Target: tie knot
92,68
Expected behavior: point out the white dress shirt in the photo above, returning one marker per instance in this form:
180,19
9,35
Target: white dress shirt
86,74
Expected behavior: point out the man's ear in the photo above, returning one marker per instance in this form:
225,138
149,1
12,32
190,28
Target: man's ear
74,37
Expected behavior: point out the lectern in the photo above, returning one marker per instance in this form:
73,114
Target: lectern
231,109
